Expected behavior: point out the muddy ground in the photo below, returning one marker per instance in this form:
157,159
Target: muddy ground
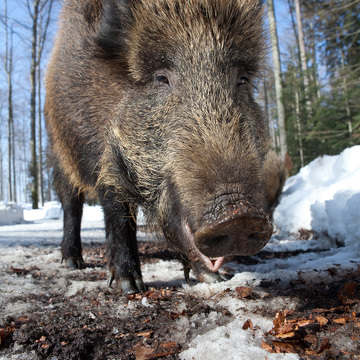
56,320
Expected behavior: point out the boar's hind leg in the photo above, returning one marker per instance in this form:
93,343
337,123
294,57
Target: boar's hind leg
123,253
72,201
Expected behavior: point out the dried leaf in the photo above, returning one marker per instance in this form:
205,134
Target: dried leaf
312,339
162,354
324,346
146,334
146,353
248,324
341,321
305,322
142,352
243,291
287,327
279,318
22,319
321,320
283,347
267,347
285,335
169,345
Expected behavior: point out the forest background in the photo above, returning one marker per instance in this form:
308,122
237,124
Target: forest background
310,91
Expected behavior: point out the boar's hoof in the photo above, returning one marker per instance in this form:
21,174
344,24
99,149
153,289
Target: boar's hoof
73,264
127,286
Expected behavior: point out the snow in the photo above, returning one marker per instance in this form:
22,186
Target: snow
10,213
324,197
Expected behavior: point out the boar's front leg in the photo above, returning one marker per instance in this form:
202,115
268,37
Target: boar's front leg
124,263
72,200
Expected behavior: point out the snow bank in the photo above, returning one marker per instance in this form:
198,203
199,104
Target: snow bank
51,210
324,197
10,213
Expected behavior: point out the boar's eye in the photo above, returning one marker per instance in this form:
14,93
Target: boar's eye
162,81
242,81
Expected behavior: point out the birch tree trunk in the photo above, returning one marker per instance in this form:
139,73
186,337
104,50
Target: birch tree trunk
278,82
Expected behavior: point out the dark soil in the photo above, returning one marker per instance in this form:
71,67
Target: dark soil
326,325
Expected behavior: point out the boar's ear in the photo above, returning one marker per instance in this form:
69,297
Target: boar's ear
115,22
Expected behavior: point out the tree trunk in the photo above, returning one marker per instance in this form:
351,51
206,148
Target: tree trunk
9,128
1,162
315,74
278,83
303,58
40,159
298,127
346,94
34,164
8,70
269,119
13,156
39,30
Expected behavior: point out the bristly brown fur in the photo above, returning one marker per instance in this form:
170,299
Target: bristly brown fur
227,27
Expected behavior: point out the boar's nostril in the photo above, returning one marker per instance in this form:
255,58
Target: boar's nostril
255,236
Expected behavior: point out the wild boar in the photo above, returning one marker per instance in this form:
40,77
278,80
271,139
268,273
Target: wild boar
151,102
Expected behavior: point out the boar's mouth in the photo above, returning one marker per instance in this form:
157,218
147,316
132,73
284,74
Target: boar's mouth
238,230
213,264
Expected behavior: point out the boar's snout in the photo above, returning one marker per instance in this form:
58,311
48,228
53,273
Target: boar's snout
234,229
